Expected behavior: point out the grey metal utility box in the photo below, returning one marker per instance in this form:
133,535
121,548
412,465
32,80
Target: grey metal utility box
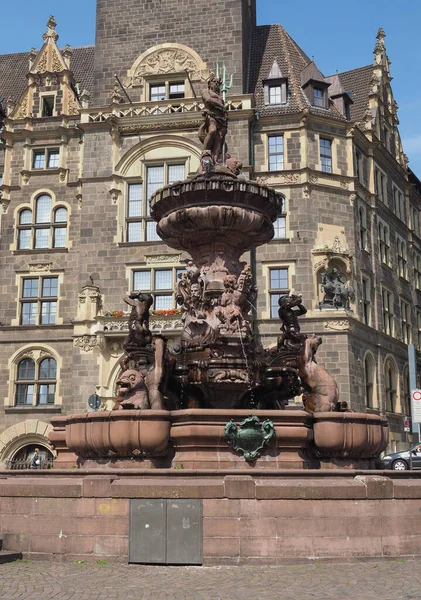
167,532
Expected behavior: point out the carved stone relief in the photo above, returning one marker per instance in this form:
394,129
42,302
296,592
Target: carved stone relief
86,342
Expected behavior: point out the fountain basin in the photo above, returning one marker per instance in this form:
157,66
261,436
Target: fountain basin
118,434
219,209
349,435
200,443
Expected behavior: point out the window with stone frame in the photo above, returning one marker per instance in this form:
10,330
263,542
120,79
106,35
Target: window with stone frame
380,184
280,225
139,225
326,154
406,396
415,221
405,322
170,89
384,243
358,165
38,300
366,299
399,203
43,225
278,286
402,258
36,381
369,380
391,386
418,329
46,158
388,312
160,283
417,270
362,219
276,152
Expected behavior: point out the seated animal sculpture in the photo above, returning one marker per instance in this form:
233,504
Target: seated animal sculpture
322,392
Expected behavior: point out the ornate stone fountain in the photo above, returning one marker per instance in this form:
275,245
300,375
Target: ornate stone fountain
218,399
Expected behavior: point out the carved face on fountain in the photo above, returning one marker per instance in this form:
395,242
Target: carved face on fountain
132,390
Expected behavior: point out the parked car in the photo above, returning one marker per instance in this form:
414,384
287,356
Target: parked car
401,461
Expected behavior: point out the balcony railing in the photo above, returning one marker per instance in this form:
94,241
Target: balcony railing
163,107
18,464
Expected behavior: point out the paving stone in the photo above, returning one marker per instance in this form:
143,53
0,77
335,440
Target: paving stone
394,579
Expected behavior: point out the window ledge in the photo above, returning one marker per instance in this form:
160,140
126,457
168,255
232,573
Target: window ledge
131,244
31,409
40,251
280,241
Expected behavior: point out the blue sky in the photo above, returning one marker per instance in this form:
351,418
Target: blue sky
340,36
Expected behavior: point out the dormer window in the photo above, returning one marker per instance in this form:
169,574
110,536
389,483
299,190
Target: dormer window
276,92
319,97
47,106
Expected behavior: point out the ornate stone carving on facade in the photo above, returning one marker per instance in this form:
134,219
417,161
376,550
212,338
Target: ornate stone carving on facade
89,303
314,179
162,258
115,193
344,184
338,325
72,104
21,110
290,178
4,204
40,267
86,342
160,125
167,58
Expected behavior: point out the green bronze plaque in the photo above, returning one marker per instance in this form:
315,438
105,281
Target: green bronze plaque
250,437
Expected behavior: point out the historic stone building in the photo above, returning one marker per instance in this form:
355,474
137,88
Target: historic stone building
90,133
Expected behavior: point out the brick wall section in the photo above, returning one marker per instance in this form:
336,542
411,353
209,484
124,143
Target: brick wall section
197,25
246,520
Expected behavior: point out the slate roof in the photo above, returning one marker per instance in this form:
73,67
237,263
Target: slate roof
14,68
357,83
270,43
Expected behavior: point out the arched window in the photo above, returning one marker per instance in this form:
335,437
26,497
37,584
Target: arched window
36,382
47,229
391,386
370,381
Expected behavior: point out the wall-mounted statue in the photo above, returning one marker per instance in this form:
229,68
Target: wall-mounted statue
321,390
336,293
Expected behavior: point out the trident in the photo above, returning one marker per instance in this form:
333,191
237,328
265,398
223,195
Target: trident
224,88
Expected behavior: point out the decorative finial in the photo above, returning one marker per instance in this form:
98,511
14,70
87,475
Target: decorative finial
51,29
380,34
380,47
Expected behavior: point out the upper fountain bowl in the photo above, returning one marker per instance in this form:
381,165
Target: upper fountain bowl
216,208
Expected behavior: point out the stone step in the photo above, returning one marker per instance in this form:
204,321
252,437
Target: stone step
6,556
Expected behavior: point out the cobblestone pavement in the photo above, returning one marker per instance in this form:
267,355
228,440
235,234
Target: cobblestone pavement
383,580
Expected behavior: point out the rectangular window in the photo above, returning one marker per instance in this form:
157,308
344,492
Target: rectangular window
387,306
157,92
399,203
366,299
280,228
139,226
406,322
417,271
46,158
326,155
278,286
39,160
39,300
176,90
53,159
276,152
380,186
419,329
48,106
160,283
384,244
363,227
402,258
319,97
